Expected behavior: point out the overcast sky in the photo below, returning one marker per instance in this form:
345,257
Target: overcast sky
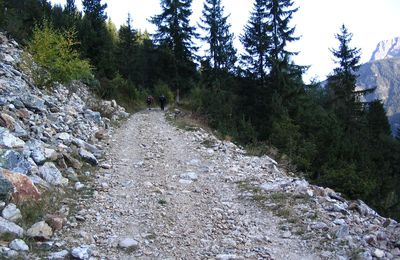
317,22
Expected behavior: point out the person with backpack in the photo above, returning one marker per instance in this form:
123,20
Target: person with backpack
149,101
162,101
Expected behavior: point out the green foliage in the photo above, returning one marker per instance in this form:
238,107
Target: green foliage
20,17
96,39
344,178
174,36
221,52
256,43
162,89
54,52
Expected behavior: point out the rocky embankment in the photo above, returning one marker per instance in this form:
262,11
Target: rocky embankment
49,139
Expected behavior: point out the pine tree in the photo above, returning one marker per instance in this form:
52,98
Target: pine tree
70,7
344,98
256,43
378,123
126,49
221,52
21,16
279,14
175,35
96,40
94,10
285,78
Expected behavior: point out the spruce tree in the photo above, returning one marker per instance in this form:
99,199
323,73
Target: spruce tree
256,43
95,11
126,49
285,78
96,41
70,7
344,99
221,52
175,35
378,123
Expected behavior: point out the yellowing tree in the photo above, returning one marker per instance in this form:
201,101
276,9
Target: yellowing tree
53,51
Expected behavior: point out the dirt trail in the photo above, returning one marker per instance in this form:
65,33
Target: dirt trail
178,197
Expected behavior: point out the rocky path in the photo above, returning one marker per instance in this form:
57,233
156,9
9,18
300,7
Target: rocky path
171,195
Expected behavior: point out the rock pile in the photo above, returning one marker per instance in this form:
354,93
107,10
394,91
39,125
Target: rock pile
45,136
338,228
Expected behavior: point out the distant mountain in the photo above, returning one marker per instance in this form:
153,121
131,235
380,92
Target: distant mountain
383,72
387,49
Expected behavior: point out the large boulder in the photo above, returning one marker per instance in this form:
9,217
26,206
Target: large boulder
8,228
23,187
33,103
11,213
40,231
88,157
19,245
8,140
7,121
37,151
50,173
14,161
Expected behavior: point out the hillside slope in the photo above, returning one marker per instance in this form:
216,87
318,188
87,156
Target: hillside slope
385,76
383,72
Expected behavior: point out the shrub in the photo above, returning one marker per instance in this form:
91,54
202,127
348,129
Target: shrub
53,51
162,89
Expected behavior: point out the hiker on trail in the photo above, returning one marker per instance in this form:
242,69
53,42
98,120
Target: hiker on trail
162,100
149,101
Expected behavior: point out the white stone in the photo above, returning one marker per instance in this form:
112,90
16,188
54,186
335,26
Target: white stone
64,137
40,230
8,140
228,257
185,182
128,243
189,176
378,253
79,186
19,245
82,252
58,255
8,227
11,212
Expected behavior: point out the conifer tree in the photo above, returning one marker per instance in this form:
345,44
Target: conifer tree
256,42
284,76
175,35
95,11
377,120
70,7
221,52
126,48
96,41
344,98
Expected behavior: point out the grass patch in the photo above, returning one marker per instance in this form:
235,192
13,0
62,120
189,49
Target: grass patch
34,211
280,204
190,121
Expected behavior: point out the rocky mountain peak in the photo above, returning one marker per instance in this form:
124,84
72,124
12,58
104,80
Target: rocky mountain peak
387,49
